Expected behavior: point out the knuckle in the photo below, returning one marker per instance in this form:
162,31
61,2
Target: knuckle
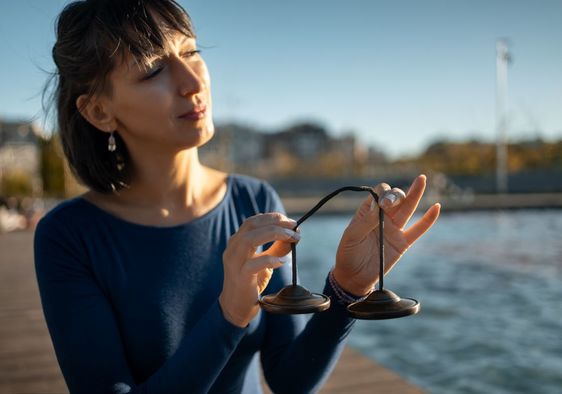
382,186
246,224
231,243
252,221
379,190
228,253
277,216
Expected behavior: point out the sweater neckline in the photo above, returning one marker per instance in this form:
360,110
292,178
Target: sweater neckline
212,212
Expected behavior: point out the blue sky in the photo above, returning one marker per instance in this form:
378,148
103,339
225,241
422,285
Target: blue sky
397,73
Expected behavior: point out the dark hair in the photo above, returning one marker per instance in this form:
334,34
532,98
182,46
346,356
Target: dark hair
91,37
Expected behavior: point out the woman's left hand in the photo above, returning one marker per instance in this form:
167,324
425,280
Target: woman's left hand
357,258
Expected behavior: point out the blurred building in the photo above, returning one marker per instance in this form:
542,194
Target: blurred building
301,150
304,141
234,148
20,154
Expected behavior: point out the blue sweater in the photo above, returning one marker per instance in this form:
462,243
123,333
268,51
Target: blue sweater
134,309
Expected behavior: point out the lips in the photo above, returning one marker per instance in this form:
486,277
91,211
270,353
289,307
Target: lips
195,114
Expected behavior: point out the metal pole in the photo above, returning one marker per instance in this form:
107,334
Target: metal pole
502,60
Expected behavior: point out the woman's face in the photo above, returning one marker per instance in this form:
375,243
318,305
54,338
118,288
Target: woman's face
166,105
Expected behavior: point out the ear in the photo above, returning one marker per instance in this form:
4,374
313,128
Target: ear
97,112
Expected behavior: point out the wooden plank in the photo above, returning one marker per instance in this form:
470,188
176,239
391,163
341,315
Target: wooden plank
27,360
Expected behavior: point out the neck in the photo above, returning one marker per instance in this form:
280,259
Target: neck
170,182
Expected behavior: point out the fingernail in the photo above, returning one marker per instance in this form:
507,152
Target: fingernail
372,207
390,198
296,236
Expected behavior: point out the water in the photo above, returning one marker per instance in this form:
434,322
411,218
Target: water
490,287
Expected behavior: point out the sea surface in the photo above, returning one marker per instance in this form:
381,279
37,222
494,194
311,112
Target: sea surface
490,287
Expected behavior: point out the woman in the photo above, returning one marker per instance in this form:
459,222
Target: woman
149,281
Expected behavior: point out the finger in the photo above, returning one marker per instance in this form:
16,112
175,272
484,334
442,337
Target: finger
260,236
368,208
407,208
257,264
421,226
392,199
243,245
267,219
366,217
364,220
362,224
279,249
381,189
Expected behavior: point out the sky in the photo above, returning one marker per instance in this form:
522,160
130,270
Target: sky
399,74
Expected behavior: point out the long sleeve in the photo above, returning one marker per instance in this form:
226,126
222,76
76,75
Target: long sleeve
86,335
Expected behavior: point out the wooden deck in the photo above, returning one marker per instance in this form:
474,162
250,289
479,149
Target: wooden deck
27,360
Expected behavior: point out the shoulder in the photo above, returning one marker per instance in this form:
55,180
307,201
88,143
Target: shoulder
59,235
250,184
256,190
65,212
65,221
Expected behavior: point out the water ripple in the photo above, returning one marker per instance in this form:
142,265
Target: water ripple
490,285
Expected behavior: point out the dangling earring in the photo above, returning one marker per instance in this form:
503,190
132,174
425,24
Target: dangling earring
111,146
120,162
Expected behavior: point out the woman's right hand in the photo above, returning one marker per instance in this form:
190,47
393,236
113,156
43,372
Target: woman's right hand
247,273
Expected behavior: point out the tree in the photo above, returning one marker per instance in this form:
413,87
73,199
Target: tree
52,166
16,183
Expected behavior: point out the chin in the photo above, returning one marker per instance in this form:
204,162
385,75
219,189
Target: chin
206,133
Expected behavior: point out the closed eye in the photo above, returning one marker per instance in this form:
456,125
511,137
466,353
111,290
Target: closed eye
190,53
155,70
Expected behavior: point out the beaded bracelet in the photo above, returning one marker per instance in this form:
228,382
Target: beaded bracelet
343,296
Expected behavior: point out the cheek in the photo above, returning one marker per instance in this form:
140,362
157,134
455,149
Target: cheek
144,104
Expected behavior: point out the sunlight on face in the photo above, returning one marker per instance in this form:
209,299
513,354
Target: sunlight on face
165,103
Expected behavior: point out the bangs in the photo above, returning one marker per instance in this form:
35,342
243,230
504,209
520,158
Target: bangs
141,29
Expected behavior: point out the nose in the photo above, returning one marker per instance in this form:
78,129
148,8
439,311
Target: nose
190,78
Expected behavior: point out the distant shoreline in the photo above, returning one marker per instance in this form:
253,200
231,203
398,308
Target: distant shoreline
463,203
347,204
